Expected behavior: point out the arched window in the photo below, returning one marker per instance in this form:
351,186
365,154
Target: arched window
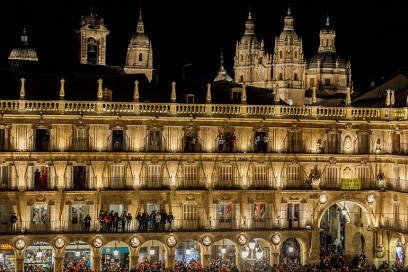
295,77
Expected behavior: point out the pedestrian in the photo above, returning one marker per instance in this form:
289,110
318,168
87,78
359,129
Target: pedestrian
14,220
87,221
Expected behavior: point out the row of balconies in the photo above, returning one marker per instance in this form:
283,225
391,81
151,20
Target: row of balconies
165,183
208,224
41,143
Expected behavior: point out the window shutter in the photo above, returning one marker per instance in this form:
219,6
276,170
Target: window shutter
29,182
236,216
68,177
269,215
67,217
250,216
53,223
52,183
283,216
302,215
215,216
90,210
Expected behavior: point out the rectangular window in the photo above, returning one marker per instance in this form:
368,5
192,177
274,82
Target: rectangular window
154,140
154,176
4,176
78,213
190,179
293,215
260,176
225,212
118,140
327,81
332,177
79,179
42,139
4,215
190,216
225,177
396,143
293,179
40,214
80,139
259,212
236,95
294,142
363,173
363,143
2,139
117,176
333,143
312,82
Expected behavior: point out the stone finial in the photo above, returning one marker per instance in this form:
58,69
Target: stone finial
388,98
314,98
22,88
348,97
208,97
62,89
277,97
100,89
243,94
392,98
136,92
173,96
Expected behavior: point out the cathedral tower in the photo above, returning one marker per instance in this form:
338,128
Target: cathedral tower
252,66
139,57
92,40
289,64
327,71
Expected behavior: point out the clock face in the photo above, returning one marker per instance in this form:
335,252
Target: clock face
276,239
97,242
207,240
323,198
20,243
135,242
171,241
370,198
59,243
242,240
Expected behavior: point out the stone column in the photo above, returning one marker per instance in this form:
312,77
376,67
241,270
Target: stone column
19,263
133,260
274,255
96,262
58,263
170,260
205,260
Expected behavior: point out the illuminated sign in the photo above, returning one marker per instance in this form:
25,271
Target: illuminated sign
350,184
5,246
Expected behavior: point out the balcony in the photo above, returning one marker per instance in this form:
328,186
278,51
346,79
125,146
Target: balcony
227,183
155,182
196,183
118,183
80,184
259,183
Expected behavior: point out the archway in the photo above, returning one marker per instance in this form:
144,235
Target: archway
78,255
115,256
223,254
344,217
7,257
39,256
290,252
188,254
152,253
256,255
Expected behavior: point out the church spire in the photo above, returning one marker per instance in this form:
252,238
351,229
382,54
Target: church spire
140,25
249,24
327,37
288,21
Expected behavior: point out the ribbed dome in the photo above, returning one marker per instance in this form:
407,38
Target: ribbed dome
23,51
286,34
249,38
327,60
140,39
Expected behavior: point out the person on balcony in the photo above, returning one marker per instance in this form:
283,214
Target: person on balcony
170,218
87,221
14,220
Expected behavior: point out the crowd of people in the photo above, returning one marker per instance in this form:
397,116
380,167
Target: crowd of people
113,222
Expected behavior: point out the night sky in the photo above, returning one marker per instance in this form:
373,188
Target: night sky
371,34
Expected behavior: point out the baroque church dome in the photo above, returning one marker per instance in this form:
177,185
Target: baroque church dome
23,51
327,60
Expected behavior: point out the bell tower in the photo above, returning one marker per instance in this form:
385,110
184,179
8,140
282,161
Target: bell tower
92,40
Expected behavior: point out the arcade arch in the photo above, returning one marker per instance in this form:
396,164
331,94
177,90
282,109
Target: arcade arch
152,252
189,252
224,252
115,256
39,256
78,255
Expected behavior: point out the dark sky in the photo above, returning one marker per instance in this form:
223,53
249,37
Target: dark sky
371,34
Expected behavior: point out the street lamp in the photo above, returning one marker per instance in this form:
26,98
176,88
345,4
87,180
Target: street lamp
39,252
188,249
291,247
151,251
116,251
259,253
344,210
223,248
252,244
77,252
245,252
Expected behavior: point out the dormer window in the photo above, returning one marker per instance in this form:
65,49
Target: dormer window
190,98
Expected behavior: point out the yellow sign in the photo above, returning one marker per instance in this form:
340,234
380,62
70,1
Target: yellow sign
350,184
5,246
